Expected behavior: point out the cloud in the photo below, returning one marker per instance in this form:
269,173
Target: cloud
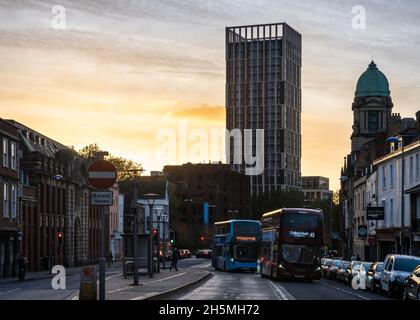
202,113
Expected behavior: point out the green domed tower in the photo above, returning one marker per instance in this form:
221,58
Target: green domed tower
372,107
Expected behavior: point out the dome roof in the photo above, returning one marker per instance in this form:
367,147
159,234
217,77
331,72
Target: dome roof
372,83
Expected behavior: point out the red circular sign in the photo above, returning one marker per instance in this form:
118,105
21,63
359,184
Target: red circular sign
102,174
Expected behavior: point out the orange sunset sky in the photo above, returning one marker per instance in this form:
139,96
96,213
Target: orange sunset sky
122,70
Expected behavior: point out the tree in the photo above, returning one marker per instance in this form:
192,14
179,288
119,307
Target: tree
127,169
275,200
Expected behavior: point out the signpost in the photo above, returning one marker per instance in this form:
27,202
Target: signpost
362,231
375,213
102,175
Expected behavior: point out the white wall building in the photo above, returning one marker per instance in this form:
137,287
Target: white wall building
388,193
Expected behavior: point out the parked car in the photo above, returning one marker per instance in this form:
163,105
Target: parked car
373,277
184,253
333,270
351,271
412,285
362,271
325,267
397,268
206,253
341,269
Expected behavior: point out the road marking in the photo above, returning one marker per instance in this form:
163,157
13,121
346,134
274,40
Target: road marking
345,291
115,275
282,291
177,275
202,265
144,296
277,291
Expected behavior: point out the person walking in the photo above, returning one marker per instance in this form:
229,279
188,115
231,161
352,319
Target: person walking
110,259
175,256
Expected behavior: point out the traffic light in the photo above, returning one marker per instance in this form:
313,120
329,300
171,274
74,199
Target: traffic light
202,238
60,237
172,236
155,236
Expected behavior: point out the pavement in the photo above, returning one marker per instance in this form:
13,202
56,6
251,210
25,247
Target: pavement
37,285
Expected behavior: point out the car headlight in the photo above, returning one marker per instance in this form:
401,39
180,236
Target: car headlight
281,266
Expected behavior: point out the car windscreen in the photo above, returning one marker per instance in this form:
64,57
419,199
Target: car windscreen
345,264
336,263
366,266
407,265
378,268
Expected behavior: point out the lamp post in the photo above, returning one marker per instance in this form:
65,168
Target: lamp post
150,197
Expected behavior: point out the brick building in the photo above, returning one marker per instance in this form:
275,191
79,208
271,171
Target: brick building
54,198
227,192
9,178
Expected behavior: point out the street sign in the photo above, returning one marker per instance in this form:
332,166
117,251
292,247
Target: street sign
102,174
101,198
375,213
362,231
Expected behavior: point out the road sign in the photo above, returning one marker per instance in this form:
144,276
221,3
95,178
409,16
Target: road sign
102,174
362,231
101,198
88,286
375,213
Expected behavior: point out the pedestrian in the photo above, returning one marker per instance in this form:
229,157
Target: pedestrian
175,256
110,259
358,258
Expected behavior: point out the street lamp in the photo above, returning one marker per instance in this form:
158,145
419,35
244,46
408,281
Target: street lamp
151,198
398,140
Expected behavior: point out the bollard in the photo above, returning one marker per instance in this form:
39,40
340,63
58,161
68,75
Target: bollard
88,284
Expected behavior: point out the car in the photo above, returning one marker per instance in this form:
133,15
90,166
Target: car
184,253
341,269
351,271
206,253
373,277
412,285
333,270
396,269
362,271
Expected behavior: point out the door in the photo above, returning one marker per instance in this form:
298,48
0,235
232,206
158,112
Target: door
386,272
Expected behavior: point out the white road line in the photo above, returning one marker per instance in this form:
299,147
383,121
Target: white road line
202,265
144,296
115,275
277,291
163,279
345,291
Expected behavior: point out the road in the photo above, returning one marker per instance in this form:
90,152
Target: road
221,286
248,286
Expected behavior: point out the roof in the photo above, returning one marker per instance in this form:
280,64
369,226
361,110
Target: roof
146,184
372,83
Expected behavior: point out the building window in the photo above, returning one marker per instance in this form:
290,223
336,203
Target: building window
391,211
14,201
373,120
13,156
391,175
417,167
411,163
383,178
5,153
6,213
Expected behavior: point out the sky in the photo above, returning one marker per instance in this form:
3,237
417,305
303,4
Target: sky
124,74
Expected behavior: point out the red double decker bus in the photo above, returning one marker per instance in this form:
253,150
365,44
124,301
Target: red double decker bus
291,243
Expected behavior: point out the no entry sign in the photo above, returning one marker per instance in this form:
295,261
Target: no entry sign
102,174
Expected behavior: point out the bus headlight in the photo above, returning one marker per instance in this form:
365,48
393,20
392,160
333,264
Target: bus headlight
281,266
232,260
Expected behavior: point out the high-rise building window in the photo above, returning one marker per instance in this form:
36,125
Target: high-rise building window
5,153
6,211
